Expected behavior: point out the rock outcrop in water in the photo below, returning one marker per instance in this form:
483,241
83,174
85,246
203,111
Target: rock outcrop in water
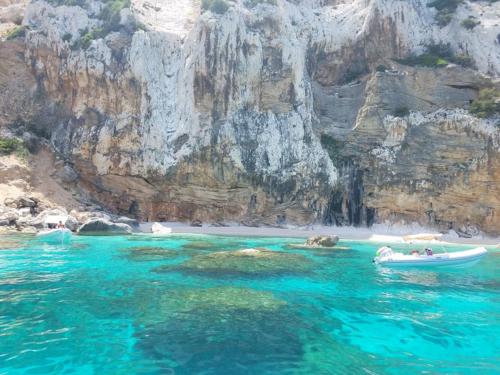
270,113
322,241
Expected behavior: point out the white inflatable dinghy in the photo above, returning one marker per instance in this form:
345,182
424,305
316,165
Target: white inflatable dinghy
57,235
387,257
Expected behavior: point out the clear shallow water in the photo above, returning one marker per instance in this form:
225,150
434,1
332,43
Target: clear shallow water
98,307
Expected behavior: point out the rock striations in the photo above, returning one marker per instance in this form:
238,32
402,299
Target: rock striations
270,111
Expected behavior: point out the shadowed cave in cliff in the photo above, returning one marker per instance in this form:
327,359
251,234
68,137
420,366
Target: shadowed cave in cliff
346,206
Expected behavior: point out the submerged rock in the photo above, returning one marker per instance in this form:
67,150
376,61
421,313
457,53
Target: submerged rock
247,261
222,299
11,244
149,253
199,245
104,227
211,330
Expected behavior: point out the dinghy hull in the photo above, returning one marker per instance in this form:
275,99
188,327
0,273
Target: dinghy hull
437,260
59,235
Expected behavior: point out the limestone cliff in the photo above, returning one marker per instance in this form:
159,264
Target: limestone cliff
271,111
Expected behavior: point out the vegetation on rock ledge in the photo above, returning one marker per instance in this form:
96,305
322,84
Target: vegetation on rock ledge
16,32
470,22
215,6
445,10
254,3
438,56
401,112
13,145
381,68
487,104
110,17
80,3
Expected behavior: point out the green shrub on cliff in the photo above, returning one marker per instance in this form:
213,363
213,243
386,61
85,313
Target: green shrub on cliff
215,6
110,14
445,10
464,60
16,32
89,36
110,17
437,56
487,104
253,3
7,145
401,112
80,3
66,37
12,145
469,23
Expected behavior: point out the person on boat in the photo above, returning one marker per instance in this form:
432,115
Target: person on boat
428,251
60,225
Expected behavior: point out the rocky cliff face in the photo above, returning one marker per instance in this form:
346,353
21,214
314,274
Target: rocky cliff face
271,111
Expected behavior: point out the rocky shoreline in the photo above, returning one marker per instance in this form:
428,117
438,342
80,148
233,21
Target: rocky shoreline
28,214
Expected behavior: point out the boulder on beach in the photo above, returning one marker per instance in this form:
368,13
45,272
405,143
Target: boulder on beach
196,223
158,228
104,227
8,215
322,241
126,220
467,231
84,216
71,223
67,174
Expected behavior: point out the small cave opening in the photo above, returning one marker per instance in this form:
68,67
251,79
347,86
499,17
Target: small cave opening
346,206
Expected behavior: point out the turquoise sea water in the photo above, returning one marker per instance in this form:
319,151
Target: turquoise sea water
99,306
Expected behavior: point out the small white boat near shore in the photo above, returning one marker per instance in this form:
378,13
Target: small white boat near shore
57,235
387,257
